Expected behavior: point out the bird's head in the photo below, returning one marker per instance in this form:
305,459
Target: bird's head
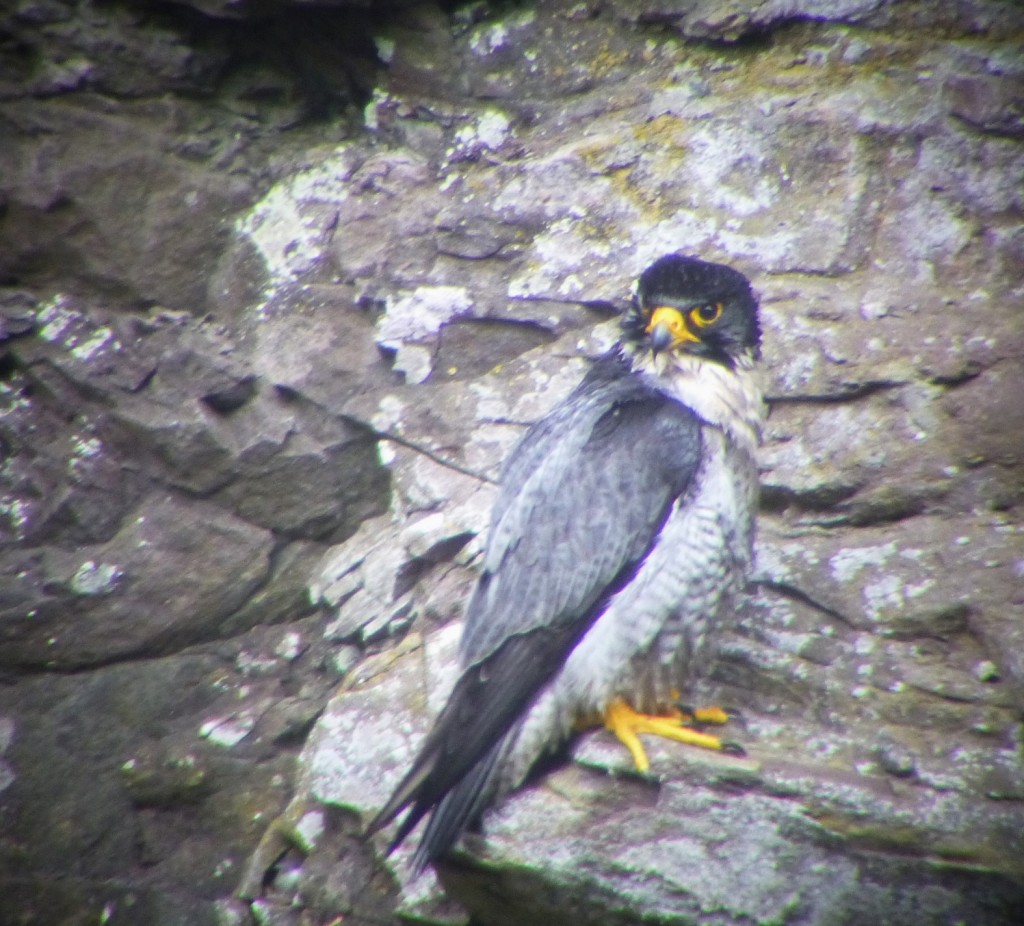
690,306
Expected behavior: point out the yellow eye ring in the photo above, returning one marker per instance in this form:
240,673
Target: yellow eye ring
705,315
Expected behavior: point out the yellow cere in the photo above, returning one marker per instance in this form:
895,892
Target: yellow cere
673,320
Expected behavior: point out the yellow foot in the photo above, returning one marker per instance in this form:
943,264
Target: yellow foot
703,715
627,724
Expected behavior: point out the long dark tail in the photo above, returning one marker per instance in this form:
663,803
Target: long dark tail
460,764
461,807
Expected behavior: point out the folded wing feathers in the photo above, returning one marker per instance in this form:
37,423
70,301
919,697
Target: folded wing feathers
583,499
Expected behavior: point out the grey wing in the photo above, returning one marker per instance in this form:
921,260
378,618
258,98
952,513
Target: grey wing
583,494
567,535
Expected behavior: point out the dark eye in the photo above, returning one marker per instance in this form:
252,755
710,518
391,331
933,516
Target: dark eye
705,315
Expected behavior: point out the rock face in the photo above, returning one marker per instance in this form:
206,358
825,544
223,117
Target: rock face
281,286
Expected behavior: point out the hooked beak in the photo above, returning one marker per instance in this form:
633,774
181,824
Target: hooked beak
660,337
667,329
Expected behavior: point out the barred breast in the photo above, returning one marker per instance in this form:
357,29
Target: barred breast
656,637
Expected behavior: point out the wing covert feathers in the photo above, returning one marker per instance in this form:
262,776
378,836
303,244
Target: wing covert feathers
583,499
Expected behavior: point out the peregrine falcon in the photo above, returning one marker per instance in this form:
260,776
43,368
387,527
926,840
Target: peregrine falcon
622,530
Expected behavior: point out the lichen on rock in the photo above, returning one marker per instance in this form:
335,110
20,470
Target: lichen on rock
280,287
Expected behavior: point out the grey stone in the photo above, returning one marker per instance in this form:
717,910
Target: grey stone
82,606
287,281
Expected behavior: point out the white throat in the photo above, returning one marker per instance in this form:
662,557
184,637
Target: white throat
730,399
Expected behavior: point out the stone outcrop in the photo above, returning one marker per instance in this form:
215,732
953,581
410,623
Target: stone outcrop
283,283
